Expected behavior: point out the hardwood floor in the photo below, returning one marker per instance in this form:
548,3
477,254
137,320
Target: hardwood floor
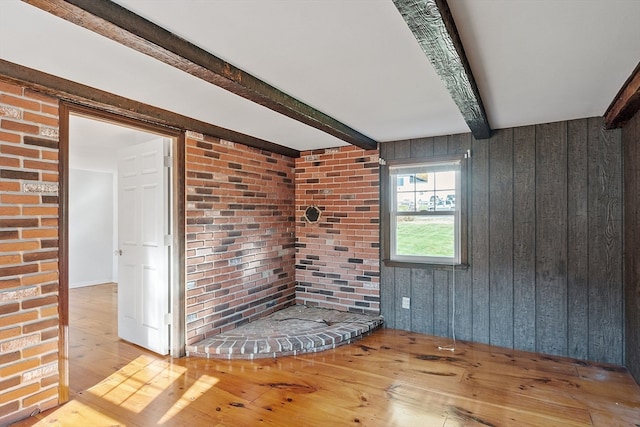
390,378
95,351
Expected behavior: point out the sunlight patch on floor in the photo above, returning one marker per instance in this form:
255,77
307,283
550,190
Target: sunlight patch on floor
144,387
145,380
196,390
75,413
136,385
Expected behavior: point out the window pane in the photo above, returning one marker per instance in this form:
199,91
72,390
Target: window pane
445,180
423,201
424,182
403,183
446,200
426,199
425,236
450,200
406,202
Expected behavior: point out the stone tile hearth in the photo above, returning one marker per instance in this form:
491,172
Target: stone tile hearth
294,330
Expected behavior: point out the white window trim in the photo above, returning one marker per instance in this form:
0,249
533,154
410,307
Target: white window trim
422,164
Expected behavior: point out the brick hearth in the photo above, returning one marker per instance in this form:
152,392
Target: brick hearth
295,330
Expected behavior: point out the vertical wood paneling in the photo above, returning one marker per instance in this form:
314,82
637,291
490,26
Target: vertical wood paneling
631,147
388,296
605,284
387,280
577,240
402,150
441,303
422,300
479,219
440,145
524,233
402,275
544,245
388,151
501,238
441,289
403,289
551,243
422,147
461,281
459,144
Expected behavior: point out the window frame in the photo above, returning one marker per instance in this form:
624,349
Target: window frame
390,214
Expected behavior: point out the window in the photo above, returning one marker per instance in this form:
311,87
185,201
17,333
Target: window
426,211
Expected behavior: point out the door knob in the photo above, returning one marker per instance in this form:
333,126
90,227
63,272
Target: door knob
118,252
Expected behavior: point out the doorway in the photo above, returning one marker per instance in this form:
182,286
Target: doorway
96,224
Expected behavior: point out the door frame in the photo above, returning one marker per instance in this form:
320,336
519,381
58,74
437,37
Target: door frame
177,277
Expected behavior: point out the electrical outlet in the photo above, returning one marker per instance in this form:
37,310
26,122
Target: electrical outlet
406,302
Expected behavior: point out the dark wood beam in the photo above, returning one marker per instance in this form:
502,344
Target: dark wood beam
85,95
432,25
117,23
626,103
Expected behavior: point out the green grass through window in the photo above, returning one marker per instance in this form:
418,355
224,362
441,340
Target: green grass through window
425,236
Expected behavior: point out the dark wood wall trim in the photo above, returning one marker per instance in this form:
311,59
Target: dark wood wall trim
80,94
117,23
63,255
179,200
178,301
626,103
631,150
433,26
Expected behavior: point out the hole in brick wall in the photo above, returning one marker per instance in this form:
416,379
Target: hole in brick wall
312,214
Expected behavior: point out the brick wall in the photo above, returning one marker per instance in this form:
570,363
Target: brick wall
242,219
28,252
337,258
239,237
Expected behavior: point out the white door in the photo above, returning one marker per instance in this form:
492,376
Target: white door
143,227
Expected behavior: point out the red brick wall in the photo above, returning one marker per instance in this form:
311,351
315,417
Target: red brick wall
337,259
28,252
242,220
240,235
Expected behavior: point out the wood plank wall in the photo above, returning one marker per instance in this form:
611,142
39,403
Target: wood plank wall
631,150
545,244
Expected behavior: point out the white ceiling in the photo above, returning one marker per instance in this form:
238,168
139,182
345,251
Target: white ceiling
90,133
534,61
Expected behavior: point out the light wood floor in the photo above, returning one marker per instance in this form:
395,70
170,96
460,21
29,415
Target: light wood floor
391,378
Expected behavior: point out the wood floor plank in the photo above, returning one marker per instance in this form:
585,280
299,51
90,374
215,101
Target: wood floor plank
439,372
487,393
389,378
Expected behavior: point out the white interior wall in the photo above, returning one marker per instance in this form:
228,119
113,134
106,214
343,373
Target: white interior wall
93,198
91,238
92,188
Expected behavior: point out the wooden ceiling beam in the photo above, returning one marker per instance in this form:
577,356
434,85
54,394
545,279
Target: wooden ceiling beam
626,103
433,26
85,95
119,24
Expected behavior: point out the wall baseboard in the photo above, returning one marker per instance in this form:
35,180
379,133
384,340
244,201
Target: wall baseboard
90,283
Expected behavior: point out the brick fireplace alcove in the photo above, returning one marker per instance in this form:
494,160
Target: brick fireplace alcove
250,252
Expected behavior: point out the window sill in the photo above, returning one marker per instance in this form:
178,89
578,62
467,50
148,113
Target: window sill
402,264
